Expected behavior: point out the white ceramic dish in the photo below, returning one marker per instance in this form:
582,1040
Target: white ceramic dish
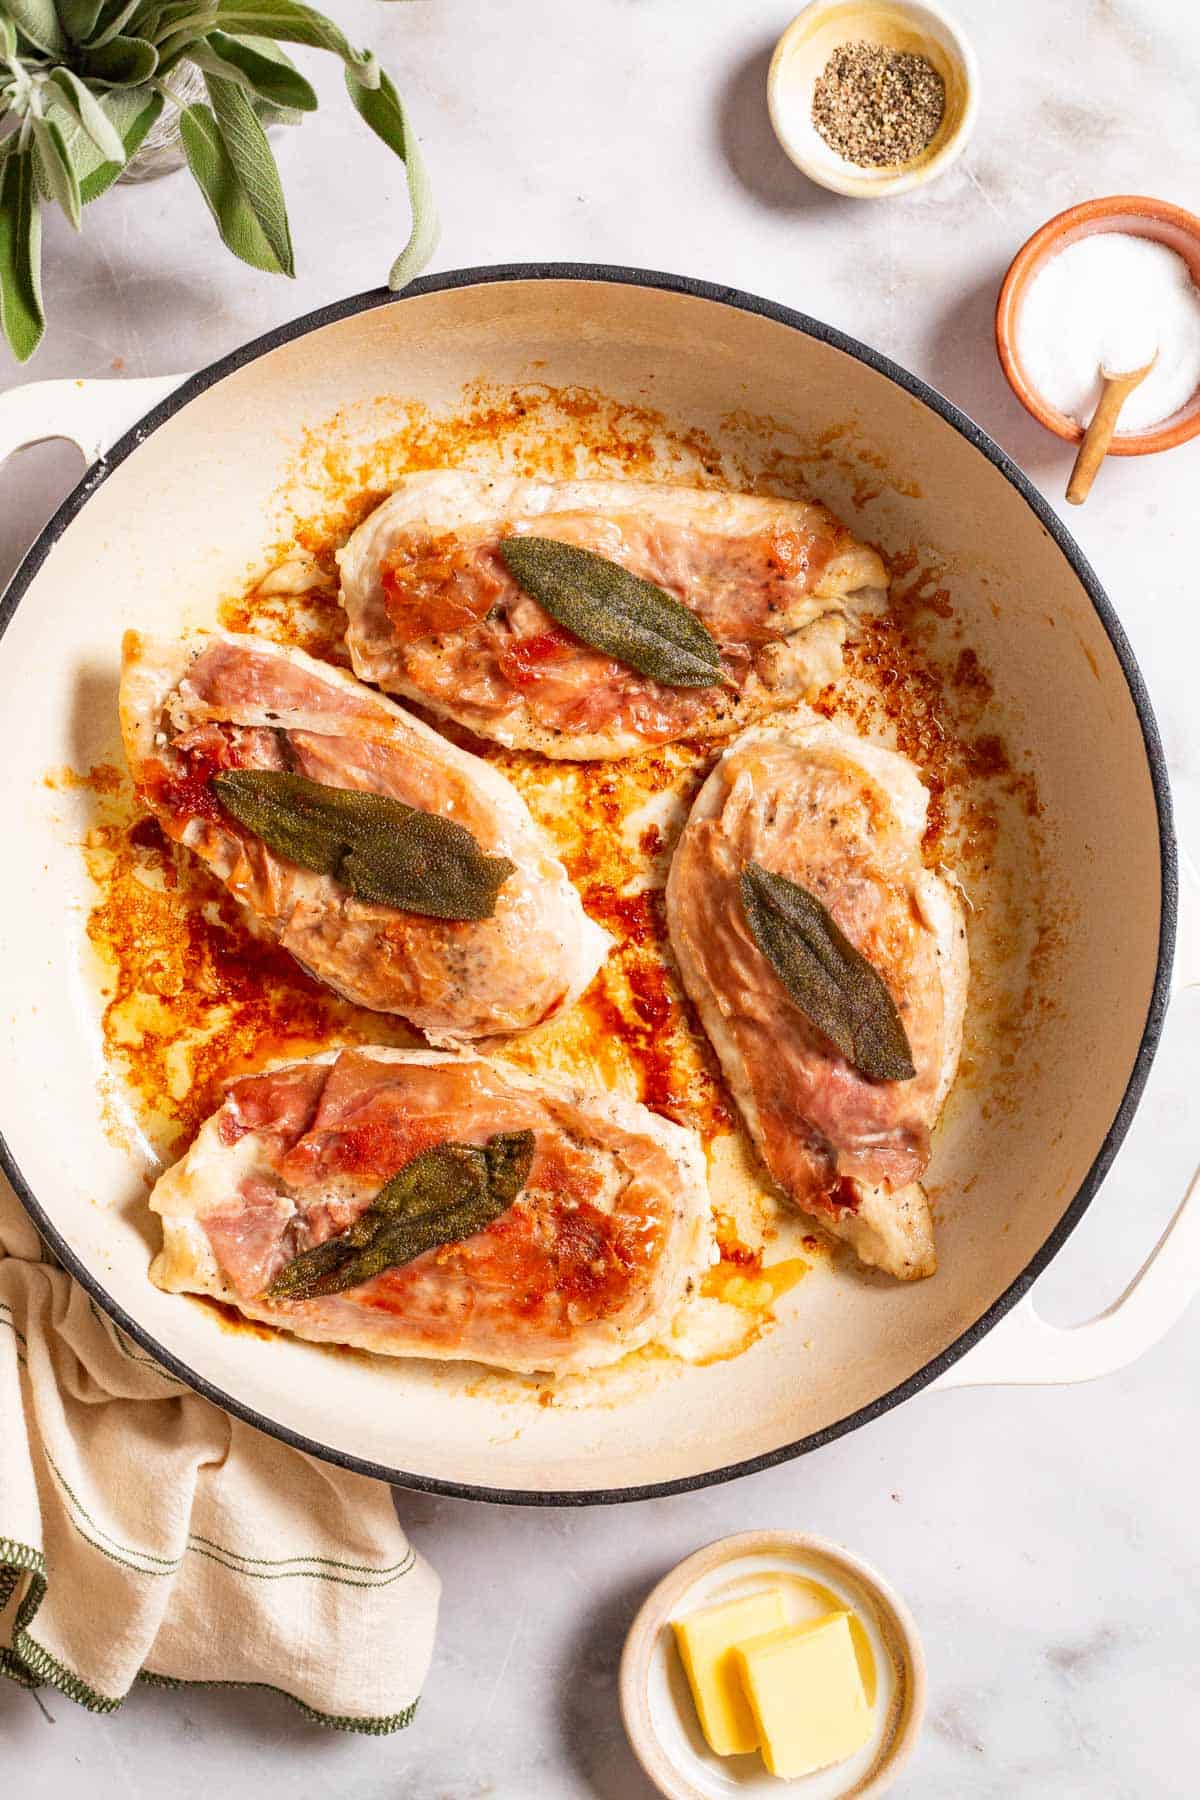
816,1576
910,25
191,499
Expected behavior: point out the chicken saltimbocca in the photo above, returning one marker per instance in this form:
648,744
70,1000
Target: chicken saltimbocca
829,968
415,1203
753,598
400,870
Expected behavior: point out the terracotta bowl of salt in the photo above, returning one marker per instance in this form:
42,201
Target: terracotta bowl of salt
1135,216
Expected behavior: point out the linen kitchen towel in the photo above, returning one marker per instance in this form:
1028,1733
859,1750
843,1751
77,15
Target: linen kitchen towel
146,1535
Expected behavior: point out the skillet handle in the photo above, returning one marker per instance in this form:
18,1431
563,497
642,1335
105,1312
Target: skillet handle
1023,1350
91,414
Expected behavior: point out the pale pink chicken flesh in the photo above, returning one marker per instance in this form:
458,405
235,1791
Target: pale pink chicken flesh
193,708
435,614
593,1258
843,820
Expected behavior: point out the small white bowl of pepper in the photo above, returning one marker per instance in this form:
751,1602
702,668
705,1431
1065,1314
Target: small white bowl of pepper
872,99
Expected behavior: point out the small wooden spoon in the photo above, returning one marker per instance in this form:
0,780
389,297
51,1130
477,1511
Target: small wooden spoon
1099,434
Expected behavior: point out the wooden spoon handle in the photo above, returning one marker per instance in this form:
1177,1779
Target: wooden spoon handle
1097,438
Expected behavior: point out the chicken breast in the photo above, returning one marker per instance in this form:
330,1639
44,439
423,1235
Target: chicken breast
213,701
842,818
434,613
592,1259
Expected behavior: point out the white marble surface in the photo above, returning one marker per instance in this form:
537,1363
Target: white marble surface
1046,1538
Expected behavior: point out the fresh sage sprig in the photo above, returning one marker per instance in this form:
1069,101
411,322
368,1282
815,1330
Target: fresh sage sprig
82,82
634,621
440,1197
829,980
386,853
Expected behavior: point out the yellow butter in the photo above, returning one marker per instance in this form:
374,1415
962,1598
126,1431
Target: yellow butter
804,1689
706,1639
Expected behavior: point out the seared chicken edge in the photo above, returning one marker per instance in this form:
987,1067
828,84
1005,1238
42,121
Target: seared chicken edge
535,956
438,1311
888,1226
509,674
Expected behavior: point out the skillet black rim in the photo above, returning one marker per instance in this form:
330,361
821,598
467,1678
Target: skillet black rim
979,439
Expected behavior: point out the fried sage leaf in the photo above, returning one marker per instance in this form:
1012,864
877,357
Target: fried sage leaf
831,983
386,853
631,620
441,1196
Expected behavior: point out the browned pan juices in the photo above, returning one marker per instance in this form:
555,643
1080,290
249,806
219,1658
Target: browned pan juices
193,997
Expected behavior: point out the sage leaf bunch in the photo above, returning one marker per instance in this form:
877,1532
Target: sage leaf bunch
442,1196
385,853
83,81
830,981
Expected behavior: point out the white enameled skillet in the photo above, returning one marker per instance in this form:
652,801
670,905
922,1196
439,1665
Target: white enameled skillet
176,507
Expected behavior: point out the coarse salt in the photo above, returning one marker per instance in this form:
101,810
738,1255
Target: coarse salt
1111,300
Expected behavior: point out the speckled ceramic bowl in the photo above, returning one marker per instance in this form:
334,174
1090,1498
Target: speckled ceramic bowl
656,1703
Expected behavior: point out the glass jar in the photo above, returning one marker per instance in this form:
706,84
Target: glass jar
161,151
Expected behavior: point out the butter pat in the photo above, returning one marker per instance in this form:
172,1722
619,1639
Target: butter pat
805,1692
706,1640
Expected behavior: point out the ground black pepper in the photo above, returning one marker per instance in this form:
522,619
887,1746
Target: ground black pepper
877,107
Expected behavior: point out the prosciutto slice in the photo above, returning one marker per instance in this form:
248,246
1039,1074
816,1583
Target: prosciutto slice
194,706
842,818
434,613
593,1259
